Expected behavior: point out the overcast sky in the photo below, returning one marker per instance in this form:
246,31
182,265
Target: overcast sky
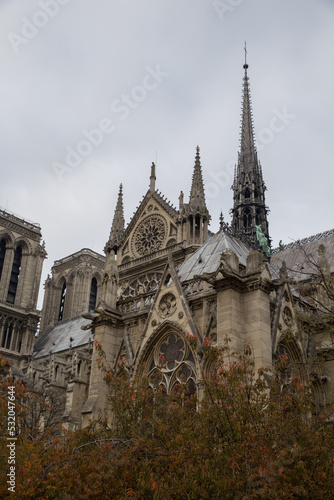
158,78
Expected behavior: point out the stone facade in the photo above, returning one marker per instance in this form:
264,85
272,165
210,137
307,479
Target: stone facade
165,276
21,260
77,277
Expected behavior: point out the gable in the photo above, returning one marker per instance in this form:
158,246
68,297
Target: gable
152,228
170,310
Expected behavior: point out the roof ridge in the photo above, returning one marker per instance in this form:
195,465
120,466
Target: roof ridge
304,241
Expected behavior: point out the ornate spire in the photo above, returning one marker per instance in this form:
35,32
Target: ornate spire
247,146
117,228
194,217
197,198
249,209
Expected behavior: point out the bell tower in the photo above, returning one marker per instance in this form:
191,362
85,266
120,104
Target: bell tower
249,208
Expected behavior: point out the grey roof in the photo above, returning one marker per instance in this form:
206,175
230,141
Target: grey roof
58,338
299,255
207,258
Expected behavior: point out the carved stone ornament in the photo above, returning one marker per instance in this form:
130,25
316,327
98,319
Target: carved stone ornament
150,235
167,305
287,316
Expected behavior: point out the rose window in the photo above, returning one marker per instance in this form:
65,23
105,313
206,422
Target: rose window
171,352
150,235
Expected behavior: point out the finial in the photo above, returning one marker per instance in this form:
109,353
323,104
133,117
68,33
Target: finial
152,178
221,220
181,200
245,49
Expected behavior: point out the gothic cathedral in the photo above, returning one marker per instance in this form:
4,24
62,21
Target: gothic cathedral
162,277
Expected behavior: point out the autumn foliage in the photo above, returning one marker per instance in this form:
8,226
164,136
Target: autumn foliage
250,437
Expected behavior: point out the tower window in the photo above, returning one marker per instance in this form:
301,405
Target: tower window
2,255
14,277
62,302
19,342
92,295
258,217
247,194
197,228
7,336
247,218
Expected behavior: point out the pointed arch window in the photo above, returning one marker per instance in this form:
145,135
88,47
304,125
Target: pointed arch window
197,234
19,341
247,194
62,302
14,277
92,295
7,336
258,217
2,255
172,366
247,218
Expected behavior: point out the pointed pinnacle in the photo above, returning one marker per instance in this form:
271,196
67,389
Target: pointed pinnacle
221,220
118,223
197,198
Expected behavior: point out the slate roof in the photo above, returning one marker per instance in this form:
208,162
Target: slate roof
299,255
207,258
58,338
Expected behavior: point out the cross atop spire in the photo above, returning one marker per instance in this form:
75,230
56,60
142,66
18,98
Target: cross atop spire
118,223
197,198
245,49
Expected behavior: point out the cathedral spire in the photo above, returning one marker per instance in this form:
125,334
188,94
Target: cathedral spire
247,146
118,223
249,209
197,198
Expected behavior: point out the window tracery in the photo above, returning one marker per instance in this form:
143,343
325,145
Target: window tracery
172,365
142,285
167,305
150,235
